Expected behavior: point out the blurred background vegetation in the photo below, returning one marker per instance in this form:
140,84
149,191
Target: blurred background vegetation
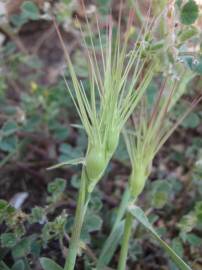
38,128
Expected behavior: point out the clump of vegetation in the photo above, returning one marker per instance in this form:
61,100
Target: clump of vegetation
125,81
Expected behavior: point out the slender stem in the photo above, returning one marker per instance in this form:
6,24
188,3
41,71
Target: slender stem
138,11
79,217
108,248
125,242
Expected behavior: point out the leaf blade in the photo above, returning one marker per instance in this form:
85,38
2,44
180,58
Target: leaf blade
49,264
137,213
189,12
110,246
75,161
114,238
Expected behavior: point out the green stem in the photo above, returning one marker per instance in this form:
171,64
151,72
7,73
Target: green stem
110,246
125,242
79,217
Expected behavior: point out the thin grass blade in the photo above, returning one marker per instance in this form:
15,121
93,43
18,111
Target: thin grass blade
110,246
114,238
75,161
138,213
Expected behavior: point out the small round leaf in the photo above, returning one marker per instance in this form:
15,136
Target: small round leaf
189,12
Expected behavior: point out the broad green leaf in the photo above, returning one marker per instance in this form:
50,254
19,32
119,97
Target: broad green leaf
92,223
193,240
75,161
57,186
37,214
30,10
8,144
49,264
22,248
110,246
191,121
159,199
8,240
18,20
188,33
9,128
189,12
187,222
160,193
137,213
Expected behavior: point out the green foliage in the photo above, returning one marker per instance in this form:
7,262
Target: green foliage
54,229
29,11
198,211
188,222
22,248
140,216
192,121
8,240
110,246
8,140
49,264
160,193
177,247
193,240
188,33
37,215
7,212
35,129
56,189
19,265
189,12
104,6
92,223
135,250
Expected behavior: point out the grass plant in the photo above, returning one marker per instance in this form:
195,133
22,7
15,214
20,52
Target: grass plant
119,80
152,128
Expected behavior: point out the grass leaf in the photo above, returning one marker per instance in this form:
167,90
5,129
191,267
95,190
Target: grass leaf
75,161
114,238
137,213
110,246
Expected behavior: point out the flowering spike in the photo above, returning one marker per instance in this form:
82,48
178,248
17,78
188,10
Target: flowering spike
151,132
